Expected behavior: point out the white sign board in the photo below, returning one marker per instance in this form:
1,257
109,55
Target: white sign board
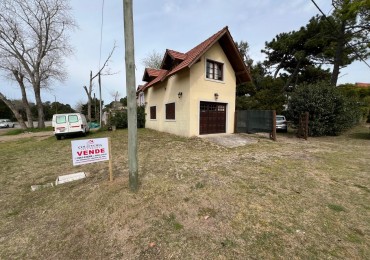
90,151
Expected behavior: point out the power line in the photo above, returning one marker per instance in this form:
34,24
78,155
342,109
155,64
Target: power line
334,27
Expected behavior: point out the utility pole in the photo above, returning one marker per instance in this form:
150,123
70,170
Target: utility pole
56,105
95,107
100,103
131,94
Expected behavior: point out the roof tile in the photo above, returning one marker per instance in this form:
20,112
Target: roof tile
190,57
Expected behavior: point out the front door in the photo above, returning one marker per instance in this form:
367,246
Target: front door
212,118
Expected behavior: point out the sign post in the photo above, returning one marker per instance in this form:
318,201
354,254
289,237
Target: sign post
91,151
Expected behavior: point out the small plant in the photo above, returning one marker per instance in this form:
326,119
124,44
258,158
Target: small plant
211,212
227,243
173,223
336,207
199,185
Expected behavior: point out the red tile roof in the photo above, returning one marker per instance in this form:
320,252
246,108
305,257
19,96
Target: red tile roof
176,55
363,85
188,59
150,74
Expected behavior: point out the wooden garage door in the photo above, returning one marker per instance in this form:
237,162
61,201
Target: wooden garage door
212,118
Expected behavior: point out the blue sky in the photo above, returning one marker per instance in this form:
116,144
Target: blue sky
174,24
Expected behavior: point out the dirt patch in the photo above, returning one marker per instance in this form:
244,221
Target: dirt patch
38,135
230,140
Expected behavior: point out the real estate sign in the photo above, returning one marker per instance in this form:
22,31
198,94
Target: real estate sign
90,151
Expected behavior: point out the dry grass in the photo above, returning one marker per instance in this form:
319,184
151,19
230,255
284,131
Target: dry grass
287,199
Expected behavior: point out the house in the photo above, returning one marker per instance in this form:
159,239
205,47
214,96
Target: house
193,93
362,85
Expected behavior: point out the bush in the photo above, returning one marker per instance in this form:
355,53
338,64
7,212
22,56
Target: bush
330,111
119,119
141,117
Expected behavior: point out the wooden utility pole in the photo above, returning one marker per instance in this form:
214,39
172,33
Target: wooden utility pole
100,103
131,94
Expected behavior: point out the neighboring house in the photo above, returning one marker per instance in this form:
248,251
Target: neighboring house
193,93
362,85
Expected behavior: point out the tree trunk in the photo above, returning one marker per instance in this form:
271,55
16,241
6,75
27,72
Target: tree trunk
17,115
89,99
294,74
40,109
338,55
19,77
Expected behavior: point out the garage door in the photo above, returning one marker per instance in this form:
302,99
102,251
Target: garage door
212,118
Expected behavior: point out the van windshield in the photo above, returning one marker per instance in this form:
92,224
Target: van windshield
73,118
61,119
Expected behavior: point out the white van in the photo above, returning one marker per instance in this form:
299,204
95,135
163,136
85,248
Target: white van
69,124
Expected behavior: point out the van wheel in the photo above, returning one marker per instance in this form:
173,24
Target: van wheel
58,137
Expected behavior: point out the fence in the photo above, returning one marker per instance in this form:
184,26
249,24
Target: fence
254,121
303,126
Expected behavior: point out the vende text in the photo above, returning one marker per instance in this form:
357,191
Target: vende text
88,152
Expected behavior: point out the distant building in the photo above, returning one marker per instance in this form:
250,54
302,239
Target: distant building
362,85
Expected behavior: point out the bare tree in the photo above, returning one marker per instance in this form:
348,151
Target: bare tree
12,107
15,73
153,60
34,33
115,95
89,91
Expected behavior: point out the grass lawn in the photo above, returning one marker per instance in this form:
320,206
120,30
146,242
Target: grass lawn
290,199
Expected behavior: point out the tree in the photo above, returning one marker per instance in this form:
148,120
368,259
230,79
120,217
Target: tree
296,55
98,74
243,48
83,107
34,35
153,60
264,92
14,72
124,101
330,112
337,40
15,111
350,27
5,111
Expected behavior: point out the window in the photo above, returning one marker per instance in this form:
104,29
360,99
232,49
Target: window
61,119
214,70
141,99
73,119
153,112
170,111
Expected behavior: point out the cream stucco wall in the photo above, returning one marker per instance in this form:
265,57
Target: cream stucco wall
203,89
167,92
195,87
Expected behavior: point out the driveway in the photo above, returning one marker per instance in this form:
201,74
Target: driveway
230,140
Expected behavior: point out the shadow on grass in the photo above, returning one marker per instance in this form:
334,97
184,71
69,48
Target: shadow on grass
362,136
28,130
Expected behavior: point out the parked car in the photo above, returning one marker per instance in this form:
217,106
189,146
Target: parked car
6,123
281,123
69,124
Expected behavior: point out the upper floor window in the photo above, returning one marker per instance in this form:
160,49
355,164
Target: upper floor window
214,70
141,99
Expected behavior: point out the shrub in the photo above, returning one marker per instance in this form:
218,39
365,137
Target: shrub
119,119
330,111
141,117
